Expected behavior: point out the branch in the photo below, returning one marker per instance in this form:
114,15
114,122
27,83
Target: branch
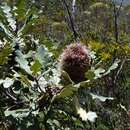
119,70
11,96
38,85
70,19
118,11
116,15
73,8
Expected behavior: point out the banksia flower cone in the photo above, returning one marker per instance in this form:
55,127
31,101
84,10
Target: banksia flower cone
75,60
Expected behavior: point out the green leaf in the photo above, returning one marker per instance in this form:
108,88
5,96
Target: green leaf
36,67
20,10
25,80
66,80
5,52
67,91
78,123
23,63
90,74
30,19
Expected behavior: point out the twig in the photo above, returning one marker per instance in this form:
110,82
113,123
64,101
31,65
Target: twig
36,80
44,73
11,96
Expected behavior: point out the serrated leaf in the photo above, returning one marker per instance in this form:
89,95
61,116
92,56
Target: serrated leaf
5,31
8,82
53,122
23,63
41,52
91,116
31,18
101,98
9,17
55,78
113,66
19,113
43,55
56,122
99,72
36,67
93,54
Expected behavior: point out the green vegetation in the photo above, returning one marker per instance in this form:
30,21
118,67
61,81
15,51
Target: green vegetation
64,65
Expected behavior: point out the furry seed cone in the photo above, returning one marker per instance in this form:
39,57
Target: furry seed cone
75,60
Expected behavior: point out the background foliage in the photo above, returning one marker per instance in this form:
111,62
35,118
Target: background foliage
35,94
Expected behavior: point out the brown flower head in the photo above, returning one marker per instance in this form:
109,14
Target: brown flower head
75,60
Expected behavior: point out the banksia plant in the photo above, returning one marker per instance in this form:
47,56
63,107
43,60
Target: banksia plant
75,60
